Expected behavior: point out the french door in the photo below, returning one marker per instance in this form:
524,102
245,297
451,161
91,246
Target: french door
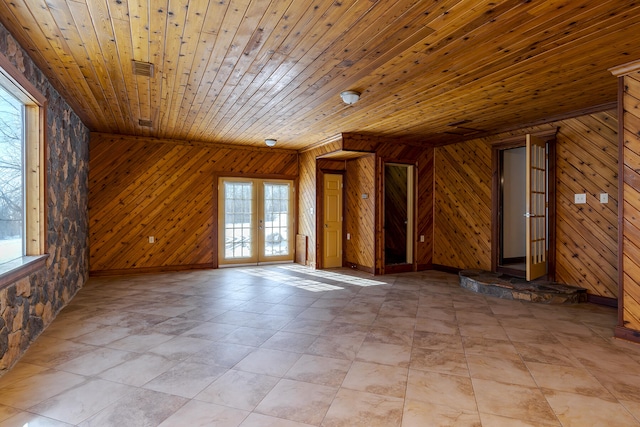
255,221
536,216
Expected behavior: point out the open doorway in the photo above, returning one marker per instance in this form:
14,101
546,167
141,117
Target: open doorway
398,217
523,232
513,242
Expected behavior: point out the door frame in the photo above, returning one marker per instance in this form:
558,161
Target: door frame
497,203
411,234
215,235
320,214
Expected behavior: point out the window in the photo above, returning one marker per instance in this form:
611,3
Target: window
22,224
11,177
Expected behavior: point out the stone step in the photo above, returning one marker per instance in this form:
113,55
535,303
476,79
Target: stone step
514,288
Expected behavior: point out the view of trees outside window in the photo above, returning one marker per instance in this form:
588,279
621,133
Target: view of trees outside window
276,212
11,177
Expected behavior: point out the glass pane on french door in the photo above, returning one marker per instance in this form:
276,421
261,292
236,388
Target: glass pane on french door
238,219
276,219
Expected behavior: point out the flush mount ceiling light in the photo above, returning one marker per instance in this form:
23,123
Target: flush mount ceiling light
350,96
270,142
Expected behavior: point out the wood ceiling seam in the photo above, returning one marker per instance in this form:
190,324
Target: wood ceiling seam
270,29
175,15
189,107
157,51
186,58
63,17
106,39
224,42
322,49
292,63
138,13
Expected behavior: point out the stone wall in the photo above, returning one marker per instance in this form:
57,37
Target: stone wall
29,305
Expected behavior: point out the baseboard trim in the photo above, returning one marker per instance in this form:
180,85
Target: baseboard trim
627,334
360,267
149,270
423,267
600,300
447,269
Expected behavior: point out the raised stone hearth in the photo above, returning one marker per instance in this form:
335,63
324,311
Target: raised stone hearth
514,288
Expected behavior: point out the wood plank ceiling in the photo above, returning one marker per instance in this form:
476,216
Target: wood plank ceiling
239,71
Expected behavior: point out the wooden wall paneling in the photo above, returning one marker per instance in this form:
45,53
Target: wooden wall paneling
163,189
144,193
424,207
587,235
360,213
308,193
629,324
126,246
462,237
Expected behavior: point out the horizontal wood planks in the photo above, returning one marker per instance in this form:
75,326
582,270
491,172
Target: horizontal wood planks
141,187
586,235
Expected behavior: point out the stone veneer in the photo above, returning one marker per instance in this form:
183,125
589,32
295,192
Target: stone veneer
28,305
514,288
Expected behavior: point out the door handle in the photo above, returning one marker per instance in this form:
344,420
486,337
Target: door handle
326,226
528,215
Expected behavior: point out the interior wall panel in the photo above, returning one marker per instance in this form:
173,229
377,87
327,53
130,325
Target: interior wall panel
629,322
141,187
307,209
586,235
462,213
360,212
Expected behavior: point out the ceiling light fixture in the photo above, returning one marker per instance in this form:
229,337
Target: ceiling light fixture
350,96
270,142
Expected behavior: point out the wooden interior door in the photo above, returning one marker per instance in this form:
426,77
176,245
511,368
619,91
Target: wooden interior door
332,234
536,215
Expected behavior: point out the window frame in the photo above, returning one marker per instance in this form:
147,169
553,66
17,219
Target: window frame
35,226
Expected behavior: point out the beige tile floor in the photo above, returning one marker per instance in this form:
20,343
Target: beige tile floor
288,346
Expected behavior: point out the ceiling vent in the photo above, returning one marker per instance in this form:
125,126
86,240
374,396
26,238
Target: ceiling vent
142,68
145,123
458,129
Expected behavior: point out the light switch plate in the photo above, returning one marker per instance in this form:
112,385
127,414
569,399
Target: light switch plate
604,198
152,239
580,198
